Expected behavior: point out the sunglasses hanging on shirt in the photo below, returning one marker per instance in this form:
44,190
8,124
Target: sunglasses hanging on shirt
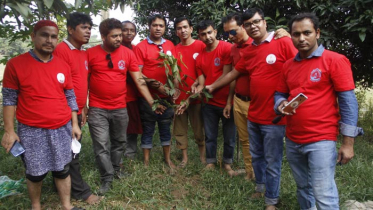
110,63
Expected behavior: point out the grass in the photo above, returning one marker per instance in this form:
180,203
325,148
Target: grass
192,187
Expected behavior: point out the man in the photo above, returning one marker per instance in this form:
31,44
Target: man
263,60
134,124
43,99
70,50
108,119
147,53
323,76
213,62
235,31
187,51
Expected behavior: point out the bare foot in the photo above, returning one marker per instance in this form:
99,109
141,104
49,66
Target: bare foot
256,195
93,199
183,164
146,163
250,176
231,172
210,166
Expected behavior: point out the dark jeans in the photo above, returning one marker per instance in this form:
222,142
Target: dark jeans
108,131
149,119
79,188
131,146
211,116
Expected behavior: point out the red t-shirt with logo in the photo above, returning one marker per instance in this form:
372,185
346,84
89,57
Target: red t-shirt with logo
41,99
188,55
243,81
108,86
211,64
264,63
77,60
319,78
147,55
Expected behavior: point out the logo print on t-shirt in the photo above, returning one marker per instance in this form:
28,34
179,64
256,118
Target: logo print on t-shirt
315,75
86,64
195,55
217,61
61,78
121,65
169,53
271,59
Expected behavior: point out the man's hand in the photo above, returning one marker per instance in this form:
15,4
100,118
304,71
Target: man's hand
193,88
160,109
282,105
180,109
346,152
8,140
279,33
76,132
162,90
227,111
84,116
176,95
209,88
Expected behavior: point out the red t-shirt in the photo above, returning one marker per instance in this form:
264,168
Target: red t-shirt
243,81
188,55
41,99
147,55
132,92
211,64
77,60
264,63
108,86
318,78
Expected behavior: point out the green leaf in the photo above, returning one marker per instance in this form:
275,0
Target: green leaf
362,36
48,3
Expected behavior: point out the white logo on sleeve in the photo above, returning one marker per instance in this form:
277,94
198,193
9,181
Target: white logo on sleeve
195,55
271,59
169,53
61,78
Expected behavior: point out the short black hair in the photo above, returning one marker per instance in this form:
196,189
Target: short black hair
77,18
109,24
205,24
152,18
232,16
251,12
127,21
181,19
311,16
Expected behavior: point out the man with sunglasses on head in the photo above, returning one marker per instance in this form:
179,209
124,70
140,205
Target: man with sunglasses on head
187,52
134,124
235,31
108,119
263,60
70,50
147,53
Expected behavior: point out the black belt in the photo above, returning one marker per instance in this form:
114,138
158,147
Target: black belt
243,98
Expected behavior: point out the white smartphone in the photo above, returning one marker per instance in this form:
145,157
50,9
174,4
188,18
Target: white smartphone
294,103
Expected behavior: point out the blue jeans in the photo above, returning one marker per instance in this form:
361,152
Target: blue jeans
313,167
211,116
266,146
148,121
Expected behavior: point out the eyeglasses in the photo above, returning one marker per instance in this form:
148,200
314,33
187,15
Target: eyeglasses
231,32
110,63
160,47
253,23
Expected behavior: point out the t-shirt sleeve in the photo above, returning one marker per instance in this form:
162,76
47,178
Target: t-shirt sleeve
341,74
139,55
89,59
199,65
69,81
226,57
240,66
10,79
133,65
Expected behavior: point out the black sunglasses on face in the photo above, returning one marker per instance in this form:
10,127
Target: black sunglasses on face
110,63
231,32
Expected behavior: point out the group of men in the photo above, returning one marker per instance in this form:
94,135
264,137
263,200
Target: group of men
250,81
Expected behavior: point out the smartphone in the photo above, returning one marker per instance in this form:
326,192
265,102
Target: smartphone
17,149
294,103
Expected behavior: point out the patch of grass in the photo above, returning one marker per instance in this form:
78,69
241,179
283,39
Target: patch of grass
192,187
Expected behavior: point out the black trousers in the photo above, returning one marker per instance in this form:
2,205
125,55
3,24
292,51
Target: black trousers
79,188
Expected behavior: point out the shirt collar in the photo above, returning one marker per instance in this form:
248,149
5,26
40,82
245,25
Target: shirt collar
71,46
247,43
317,53
32,53
151,42
268,39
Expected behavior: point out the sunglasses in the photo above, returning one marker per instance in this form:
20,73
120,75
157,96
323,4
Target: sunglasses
110,63
160,48
231,32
